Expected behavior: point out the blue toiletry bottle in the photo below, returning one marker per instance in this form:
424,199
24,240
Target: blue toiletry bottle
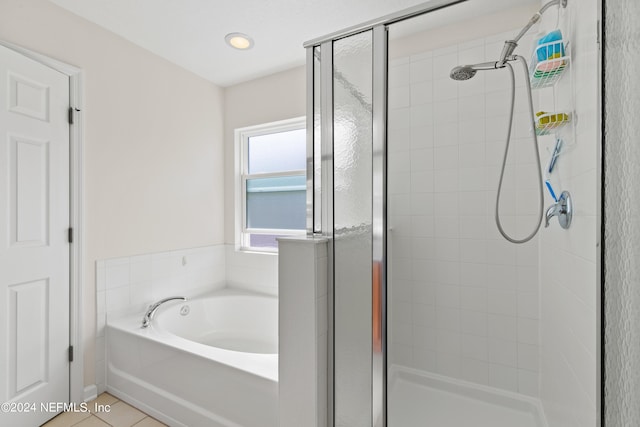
553,49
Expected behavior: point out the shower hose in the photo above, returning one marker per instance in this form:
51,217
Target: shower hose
506,153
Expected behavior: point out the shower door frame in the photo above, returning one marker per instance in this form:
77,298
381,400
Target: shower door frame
324,225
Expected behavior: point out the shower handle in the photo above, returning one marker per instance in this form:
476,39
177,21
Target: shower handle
563,209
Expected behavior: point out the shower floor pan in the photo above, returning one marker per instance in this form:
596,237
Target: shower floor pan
420,399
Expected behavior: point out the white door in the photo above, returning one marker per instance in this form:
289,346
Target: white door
34,251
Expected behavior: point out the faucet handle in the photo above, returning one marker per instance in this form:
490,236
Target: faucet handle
563,209
550,213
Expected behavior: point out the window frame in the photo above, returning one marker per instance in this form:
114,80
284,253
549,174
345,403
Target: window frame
242,135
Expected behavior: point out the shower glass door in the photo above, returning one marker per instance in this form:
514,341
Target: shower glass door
482,331
463,340
352,229
353,238
348,159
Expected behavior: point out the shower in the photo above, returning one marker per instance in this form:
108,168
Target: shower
434,317
466,72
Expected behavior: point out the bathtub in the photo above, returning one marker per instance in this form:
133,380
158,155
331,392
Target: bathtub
210,361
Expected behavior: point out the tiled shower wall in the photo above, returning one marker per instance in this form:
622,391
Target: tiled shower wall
570,284
464,301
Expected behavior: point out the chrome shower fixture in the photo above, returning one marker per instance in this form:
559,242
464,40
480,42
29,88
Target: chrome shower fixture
510,45
465,72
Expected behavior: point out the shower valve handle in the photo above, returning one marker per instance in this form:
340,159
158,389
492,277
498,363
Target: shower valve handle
563,209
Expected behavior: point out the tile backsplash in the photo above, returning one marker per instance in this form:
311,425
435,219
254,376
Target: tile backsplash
252,271
129,284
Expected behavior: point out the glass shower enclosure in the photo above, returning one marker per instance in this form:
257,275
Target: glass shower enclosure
348,147
434,318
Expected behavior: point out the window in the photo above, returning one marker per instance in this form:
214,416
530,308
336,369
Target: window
271,183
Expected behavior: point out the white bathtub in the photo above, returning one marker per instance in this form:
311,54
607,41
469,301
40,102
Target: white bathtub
215,366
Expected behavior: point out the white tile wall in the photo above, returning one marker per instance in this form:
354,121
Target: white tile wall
129,284
303,319
569,296
464,302
252,271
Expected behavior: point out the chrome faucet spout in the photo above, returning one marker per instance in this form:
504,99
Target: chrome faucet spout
151,311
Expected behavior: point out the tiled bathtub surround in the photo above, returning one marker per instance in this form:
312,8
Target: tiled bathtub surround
251,271
464,301
129,284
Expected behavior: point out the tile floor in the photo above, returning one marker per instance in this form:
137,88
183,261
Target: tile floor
119,415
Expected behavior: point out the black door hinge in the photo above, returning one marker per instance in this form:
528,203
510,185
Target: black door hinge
70,235
70,353
71,114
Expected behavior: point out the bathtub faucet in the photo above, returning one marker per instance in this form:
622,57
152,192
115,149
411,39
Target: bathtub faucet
151,311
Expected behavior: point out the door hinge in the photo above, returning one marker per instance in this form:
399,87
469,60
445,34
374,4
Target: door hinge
70,353
70,235
71,114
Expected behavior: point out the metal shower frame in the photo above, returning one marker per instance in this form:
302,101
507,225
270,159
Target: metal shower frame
324,224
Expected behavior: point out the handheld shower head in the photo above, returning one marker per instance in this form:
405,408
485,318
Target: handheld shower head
462,72
465,72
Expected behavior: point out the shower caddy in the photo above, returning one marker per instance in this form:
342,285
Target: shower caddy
545,73
550,62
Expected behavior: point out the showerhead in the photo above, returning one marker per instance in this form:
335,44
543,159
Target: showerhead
462,72
465,72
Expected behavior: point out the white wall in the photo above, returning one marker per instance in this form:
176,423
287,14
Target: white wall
570,287
276,97
153,143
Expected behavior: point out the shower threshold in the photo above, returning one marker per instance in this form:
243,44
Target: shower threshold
421,399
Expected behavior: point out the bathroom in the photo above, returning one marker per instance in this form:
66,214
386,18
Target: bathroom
159,188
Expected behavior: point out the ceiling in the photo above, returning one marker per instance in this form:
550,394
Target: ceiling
191,33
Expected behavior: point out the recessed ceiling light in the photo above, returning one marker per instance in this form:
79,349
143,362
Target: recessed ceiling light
239,41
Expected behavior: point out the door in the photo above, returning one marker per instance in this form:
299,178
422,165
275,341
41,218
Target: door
34,251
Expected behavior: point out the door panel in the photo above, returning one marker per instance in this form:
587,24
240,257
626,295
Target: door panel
34,252
29,191
28,335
